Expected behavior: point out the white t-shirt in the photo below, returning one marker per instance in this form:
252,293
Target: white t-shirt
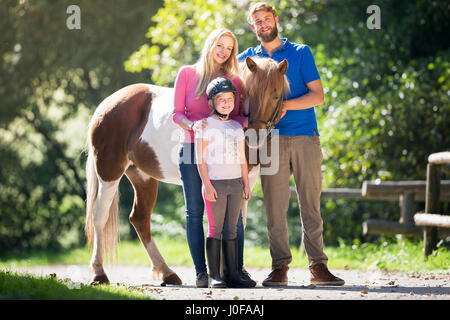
222,155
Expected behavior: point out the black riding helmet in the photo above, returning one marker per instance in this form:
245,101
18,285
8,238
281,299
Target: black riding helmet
217,86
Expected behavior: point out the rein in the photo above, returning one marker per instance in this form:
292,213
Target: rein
270,124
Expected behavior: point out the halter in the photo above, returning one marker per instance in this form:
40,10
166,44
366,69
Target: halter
270,124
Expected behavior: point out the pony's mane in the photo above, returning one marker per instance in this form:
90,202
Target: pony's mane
262,80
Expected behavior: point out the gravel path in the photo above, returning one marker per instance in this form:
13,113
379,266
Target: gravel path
360,285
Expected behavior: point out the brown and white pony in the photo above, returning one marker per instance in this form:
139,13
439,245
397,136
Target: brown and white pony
132,133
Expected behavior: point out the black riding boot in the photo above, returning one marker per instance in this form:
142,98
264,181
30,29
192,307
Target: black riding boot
231,274
213,256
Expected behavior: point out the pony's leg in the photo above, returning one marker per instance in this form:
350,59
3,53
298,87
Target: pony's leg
145,193
105,197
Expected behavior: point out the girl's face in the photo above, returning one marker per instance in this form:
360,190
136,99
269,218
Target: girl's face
224,102
223,49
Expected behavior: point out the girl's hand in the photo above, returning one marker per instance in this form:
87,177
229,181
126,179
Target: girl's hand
247,192
210,193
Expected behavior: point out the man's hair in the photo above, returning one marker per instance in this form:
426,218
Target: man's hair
260,6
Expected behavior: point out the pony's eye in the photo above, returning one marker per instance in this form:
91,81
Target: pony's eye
276,97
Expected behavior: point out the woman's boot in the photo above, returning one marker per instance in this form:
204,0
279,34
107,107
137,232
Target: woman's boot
213,257
231,274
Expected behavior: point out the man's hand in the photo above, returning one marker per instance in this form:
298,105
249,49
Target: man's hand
283,109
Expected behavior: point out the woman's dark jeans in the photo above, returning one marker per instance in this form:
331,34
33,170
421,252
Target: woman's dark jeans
193,200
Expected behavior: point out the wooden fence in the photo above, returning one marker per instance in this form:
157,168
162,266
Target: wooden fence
432,219
405,192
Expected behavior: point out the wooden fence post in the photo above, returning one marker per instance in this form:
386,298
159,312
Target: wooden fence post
407,212
432,204
407,207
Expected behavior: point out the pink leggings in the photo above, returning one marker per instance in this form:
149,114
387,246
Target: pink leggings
223,213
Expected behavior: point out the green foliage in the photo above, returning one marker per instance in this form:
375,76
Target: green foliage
388,254
177,37
51,80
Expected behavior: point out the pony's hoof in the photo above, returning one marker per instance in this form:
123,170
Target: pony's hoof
172,279
99,279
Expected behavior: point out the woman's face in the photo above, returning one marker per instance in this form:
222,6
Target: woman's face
223,49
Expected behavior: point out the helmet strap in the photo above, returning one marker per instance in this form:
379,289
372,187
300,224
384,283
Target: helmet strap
220,115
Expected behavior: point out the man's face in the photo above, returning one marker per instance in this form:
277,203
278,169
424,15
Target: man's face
265,25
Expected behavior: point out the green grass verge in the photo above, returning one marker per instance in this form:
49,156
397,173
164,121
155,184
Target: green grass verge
15,285
398,256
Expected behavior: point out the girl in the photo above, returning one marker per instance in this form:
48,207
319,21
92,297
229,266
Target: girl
223,169
218,58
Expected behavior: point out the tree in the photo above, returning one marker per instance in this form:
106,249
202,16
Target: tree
51,80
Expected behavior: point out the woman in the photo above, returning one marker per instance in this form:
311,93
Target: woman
218,59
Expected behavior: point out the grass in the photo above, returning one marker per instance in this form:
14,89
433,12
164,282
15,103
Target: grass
398,256
15,285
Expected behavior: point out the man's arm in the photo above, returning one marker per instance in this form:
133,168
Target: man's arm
313,98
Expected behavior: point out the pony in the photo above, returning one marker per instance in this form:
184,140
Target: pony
132,133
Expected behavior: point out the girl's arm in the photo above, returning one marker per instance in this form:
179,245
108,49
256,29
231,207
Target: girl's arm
244,171
200,154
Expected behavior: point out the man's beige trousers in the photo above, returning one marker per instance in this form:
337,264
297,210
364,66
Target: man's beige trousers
300,156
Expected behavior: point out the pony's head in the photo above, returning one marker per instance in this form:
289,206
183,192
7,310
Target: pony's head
265,82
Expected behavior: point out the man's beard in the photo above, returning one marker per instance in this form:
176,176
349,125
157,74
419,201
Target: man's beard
268,37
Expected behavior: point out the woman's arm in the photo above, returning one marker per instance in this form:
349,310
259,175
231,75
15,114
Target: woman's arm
178,114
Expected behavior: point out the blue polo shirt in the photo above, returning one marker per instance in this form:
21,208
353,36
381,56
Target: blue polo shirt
301,70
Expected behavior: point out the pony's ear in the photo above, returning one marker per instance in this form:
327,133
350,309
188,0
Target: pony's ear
282,66
251,64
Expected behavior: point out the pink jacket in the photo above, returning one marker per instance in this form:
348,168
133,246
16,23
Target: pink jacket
186,105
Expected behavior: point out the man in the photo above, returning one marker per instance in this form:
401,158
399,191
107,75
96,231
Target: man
300,152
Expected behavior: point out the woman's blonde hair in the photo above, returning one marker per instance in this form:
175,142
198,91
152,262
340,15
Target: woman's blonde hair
205,65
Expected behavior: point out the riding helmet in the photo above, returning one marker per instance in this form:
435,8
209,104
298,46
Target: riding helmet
219,85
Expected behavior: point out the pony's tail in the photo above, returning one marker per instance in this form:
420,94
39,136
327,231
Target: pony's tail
110,239
110,234
91,196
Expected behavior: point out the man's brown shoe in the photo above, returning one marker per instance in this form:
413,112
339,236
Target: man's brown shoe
321,276
277,277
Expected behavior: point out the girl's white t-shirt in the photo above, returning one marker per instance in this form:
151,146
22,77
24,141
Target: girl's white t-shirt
222,155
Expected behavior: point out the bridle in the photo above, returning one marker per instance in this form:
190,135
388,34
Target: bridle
270,124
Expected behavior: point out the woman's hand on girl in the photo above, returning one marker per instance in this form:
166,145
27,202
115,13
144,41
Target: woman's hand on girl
200,124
